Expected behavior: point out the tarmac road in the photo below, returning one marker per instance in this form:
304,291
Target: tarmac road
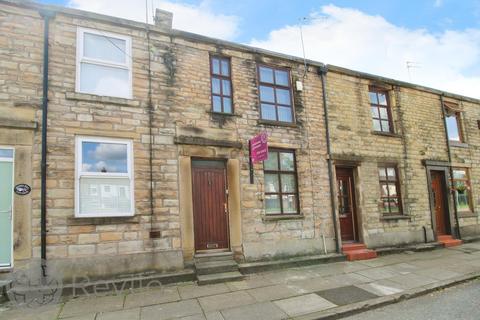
461,302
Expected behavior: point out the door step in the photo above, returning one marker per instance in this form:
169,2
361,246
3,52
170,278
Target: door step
358,251
219,277
448,241
216,267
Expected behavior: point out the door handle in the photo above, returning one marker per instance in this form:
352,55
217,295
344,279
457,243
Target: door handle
225,207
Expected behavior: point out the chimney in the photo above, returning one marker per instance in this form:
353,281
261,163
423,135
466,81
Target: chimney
163,19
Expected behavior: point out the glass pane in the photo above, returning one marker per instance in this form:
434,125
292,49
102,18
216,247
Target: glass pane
266,75
225,67
382,173
226,87
286,161
272,204
457,174
271,183
281,78
104,48
391,173
376,125
384,190
101,80
289,184
227,105
382,99
104,157
268,112
452,128
272,162
373,97
462,194
384,205
216,85
6,153
217,104
285,114
289,203
392,188
215,66
283,96
267,94
394,205
375,113
383,113
385,126
107,196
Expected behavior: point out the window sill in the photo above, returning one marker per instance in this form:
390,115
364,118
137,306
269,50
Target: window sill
395,217
386,134
458,144
103,99
278,217
467,214
223,114
278,123
81,221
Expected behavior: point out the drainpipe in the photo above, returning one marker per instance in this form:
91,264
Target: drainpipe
46,15
455,211
323,73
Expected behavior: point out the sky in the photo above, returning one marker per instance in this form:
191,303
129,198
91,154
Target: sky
435,43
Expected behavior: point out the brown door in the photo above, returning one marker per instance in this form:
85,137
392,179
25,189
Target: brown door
438,195
210,212
346,204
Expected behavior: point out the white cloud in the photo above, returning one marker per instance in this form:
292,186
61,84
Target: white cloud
353,39
194,18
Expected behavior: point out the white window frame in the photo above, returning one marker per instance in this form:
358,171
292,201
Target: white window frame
80,58
12,160
79,173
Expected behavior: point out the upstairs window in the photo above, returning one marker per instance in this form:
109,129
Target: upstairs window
104,177
221,85
275,94
104,64
281,191
389,190
452,119
380,108
462,192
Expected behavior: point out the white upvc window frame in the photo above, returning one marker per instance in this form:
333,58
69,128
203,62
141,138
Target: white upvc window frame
81,59
12,160
79,173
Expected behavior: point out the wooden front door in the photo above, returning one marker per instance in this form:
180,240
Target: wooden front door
210,211
439,203
346,204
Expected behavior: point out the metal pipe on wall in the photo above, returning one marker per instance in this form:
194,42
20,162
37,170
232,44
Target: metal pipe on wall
323,72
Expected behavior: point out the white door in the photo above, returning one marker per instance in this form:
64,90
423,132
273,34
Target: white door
6,206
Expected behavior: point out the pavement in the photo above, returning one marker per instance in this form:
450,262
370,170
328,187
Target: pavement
322,291
459,303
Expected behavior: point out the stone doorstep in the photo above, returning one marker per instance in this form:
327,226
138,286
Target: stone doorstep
359,307
360,254
449,241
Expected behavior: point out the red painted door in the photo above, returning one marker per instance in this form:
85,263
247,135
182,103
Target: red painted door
210,212
438,194
346,204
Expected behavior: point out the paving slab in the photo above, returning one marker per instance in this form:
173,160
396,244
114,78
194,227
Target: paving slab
214,315
253,281
151,297
191,291
412,280
171,310
264,311
304,304
225,301
47,312
437,273
130,314
378,273
92,304
380,288
270,293
346,295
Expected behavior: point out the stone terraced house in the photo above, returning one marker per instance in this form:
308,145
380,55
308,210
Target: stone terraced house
143,164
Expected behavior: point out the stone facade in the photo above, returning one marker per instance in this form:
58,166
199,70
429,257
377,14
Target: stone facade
159,237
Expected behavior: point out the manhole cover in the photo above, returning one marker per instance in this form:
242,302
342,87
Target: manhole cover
346,295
